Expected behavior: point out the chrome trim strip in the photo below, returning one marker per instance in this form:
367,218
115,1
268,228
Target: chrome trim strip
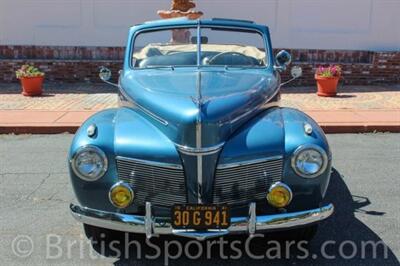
201,236
199,164
198,43
252,218
148,221
162,225
255,161
199,133
271,104
265,105
158,164
199,178
200,151
129,102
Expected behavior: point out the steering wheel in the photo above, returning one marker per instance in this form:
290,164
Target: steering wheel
230,56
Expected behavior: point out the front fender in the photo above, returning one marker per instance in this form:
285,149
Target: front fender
280,131
307,191
120,132
95,194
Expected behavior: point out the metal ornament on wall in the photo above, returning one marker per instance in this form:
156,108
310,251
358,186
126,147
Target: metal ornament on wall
181,8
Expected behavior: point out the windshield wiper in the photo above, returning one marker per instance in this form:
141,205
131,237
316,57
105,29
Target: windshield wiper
159,67
241,67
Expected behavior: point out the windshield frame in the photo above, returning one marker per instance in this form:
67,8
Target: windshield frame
199,28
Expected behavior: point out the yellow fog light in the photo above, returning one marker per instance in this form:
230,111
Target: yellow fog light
121,195
279,195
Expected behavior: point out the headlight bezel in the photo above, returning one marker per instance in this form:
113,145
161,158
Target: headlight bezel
99,152
304,148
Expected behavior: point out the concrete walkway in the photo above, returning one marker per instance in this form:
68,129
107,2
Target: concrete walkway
63,108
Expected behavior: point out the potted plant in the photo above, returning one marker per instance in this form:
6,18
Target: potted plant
31,80
327,80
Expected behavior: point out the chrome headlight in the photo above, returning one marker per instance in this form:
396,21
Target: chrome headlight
309,161
89,163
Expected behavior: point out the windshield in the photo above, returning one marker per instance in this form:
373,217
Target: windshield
218,47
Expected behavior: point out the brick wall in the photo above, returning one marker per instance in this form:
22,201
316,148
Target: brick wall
359,67
71,64
61,70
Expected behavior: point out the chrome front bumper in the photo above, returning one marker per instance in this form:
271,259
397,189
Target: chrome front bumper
152,226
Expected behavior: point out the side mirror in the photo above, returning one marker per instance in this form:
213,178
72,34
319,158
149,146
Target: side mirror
296,72
105,75
282,60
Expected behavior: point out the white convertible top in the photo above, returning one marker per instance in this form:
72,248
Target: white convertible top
167,49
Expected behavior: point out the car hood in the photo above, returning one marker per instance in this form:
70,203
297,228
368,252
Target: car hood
198,108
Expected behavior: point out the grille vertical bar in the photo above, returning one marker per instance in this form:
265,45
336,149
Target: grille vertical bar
248,182
159,184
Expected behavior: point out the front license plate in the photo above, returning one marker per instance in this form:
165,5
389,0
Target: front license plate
195,216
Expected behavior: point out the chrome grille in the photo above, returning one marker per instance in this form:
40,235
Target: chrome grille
239,184
162,185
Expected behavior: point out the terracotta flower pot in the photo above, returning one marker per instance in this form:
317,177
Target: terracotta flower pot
327,87
32,86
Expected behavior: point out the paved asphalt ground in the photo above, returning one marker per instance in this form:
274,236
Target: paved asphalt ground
36,227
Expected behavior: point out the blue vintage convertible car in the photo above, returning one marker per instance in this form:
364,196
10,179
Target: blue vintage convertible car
199,146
